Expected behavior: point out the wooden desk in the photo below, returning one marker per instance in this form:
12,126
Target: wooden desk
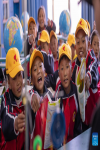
81,142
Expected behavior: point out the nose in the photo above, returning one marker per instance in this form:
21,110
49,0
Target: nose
38,70
65,72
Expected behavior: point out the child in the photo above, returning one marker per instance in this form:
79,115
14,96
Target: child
37,73
53,47
95,46
12,109
31,44
91,78
71,42
44,42
69,102
42,22
32,35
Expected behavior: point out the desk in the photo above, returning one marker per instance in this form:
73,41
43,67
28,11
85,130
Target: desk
81,142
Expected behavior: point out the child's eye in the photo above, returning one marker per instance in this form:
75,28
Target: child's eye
67,67
78,43
61,68
34,70
40,66
83,41
14,78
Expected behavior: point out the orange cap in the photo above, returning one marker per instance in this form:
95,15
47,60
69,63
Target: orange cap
53,33
71,39
31,19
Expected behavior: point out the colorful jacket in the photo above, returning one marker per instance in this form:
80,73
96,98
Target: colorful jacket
92,71
70,107
10,139
99,79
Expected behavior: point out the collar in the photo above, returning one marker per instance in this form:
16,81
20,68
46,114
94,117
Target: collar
12,98
72,91
45,90
39,29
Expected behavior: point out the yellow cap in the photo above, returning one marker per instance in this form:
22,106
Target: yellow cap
89,28
31,19
53,33
44,37
71,39
13,64
82,25
35,53
65,50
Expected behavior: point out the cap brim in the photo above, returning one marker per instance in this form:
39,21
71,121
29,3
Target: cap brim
14,72
64,54
37,54
40,40
69,43
51,34
79,28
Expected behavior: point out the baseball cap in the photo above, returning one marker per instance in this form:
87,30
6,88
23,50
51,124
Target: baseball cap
82,24
65,50
71,39
13,64
88,1
53,33
44,37
35,53
31,19
89,28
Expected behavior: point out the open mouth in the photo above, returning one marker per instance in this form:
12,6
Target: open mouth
81,53
19,89
65,80
39,79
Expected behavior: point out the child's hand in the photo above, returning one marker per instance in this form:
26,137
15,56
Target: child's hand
31,50
20,122
87,82
35,104
31,39
49,22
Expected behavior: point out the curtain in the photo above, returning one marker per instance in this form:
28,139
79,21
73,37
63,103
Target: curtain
88,13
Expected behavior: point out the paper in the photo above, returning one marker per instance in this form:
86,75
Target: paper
80,82
52,107
2,90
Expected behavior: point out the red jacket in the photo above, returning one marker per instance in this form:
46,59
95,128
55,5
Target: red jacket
41,115
10,140
69,105
92,71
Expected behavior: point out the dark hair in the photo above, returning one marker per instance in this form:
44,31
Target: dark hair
94,33
63,57
41,7
73,45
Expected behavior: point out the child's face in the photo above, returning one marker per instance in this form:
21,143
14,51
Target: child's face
32,29
38,74
95,45
81,44
53,45
41,18
65,74
16,84
44,46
